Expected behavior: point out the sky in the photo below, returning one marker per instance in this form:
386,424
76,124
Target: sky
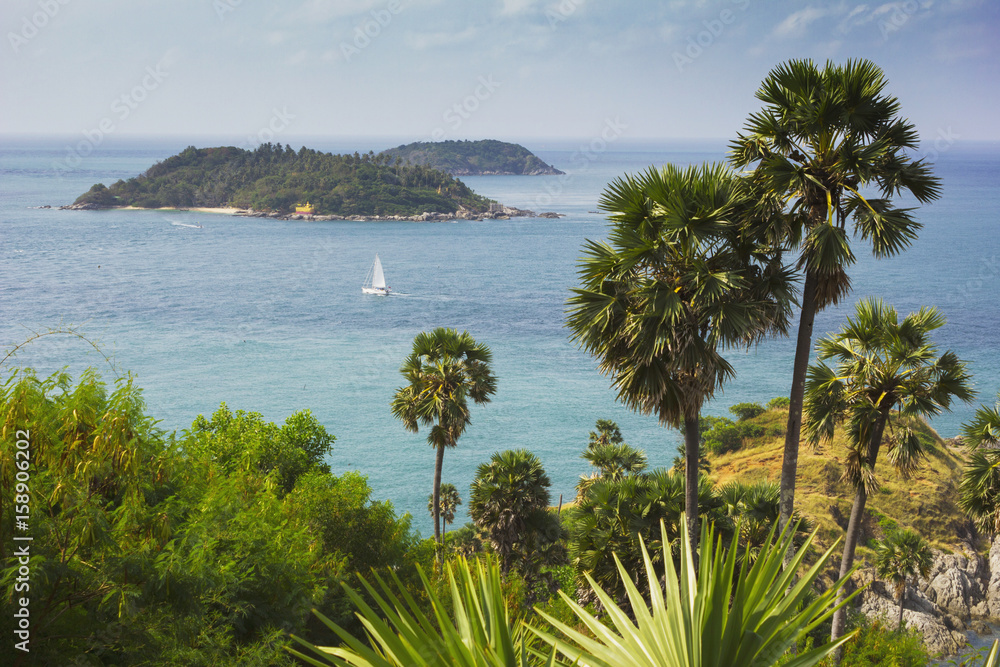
472,69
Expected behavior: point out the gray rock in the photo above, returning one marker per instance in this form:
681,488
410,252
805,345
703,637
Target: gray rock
938,637
993,588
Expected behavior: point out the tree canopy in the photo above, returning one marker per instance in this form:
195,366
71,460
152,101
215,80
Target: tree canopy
272,178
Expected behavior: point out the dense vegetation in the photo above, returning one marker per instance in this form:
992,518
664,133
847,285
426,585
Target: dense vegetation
272,178
201,548
467,158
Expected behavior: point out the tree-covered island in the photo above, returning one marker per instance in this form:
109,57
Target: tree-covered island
276,179
473,158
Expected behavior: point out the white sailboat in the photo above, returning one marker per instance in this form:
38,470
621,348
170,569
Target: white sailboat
375,281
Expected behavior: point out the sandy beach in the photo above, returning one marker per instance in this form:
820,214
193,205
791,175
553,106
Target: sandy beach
228,210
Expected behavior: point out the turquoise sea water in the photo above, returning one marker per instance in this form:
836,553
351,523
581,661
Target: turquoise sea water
269,316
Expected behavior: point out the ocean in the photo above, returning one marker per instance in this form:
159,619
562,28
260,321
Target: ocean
268,316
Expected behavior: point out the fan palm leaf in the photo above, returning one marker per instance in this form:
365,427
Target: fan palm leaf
830,145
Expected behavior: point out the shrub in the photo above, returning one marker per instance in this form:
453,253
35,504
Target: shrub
877,644
778,402
745,411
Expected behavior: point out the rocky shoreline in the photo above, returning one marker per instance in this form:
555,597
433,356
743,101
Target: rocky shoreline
499,212
960,594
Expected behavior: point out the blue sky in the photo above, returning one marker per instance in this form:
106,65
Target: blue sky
472,68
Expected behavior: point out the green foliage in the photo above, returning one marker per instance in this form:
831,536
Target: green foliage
450,500
778,402
445,369
753,509
902,554
272,178
509,503
876,644
720,435
245,441
148,548
980,490
462,158
745,411
704,464
712,618
606,433
614,515
479,630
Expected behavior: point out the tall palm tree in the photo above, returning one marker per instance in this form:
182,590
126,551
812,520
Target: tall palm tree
980,489
450,500
444,371
508,502
900,555
824,136
887,371
678,280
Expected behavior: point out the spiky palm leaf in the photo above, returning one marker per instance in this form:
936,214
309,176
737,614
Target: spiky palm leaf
705,618
479,631
615,460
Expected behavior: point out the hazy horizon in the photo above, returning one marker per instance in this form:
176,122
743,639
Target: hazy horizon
441,69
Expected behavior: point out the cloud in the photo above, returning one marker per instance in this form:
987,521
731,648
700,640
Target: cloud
429,40
796,23
515,7
324,11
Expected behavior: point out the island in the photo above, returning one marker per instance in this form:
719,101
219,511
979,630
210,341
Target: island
472,158
279,182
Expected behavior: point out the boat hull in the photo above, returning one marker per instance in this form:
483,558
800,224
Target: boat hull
380,291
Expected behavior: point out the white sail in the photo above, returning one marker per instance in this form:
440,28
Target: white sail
378,278
375,281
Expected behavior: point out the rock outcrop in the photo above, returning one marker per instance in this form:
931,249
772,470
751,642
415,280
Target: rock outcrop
960,593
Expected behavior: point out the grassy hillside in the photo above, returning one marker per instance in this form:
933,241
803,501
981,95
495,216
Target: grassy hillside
926,502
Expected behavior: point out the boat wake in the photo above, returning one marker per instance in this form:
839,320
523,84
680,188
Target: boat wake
184,224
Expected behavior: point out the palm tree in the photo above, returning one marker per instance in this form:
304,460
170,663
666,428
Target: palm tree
445,369
676,282
900,555
980,489
607,433
509,504
753,509
823,135
615,461
887,372
615,516
450,500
